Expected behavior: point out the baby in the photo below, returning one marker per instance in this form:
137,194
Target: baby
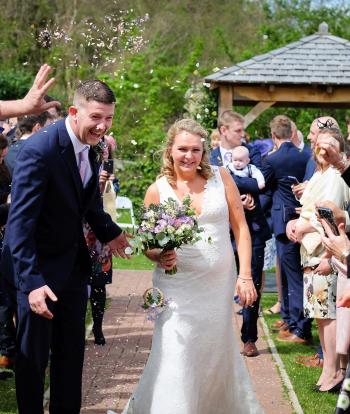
240,166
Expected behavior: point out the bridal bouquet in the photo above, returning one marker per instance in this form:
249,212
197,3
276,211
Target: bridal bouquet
167,226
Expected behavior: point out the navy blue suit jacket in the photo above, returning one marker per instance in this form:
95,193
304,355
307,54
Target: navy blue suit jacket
245,184
286,161
310,169
307,149
44,232
254,155
258,227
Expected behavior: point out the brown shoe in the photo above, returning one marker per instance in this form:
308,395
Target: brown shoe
284,333
250,350
278,323
6,362
312,363
283,327
294,339
307,357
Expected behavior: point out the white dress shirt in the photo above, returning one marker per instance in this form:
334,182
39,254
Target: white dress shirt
78,147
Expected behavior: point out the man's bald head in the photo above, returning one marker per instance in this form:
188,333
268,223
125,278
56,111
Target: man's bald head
318,124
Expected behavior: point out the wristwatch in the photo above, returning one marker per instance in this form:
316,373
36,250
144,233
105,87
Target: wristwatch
344,255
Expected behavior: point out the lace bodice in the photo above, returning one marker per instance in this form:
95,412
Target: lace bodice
214,217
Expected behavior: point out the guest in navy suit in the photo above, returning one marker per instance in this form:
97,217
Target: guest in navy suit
287,161
33,102
231,128
45,238
230,125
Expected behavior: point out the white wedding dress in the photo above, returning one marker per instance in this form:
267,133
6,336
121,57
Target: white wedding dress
195,366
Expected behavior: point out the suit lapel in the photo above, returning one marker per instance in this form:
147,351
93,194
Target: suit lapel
217,157
67,153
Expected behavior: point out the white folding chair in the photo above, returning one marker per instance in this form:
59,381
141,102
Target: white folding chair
124,203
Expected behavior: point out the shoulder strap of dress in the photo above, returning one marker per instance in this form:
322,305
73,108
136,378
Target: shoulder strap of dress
216,179
164,188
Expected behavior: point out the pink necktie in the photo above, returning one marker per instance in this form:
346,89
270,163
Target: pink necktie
84,165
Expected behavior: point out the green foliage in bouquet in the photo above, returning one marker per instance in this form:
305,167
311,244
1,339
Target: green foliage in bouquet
168,225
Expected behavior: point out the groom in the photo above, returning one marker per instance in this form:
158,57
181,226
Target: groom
55,188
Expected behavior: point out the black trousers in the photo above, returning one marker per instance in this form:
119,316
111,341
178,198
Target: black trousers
8,309
64,336
249,330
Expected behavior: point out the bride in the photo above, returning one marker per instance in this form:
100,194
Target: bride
194,366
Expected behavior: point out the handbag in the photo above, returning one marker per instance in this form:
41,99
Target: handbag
109,198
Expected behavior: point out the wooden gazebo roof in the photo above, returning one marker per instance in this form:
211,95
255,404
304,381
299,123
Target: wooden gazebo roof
314,71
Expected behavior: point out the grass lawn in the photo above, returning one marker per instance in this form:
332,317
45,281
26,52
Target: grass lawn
302,378
134,263
8,397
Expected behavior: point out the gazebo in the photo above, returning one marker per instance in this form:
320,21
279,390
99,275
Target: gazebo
312,72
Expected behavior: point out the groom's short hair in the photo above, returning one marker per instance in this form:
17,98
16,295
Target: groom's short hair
94,90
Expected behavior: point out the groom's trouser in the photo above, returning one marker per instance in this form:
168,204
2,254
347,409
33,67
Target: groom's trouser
249,330
63,337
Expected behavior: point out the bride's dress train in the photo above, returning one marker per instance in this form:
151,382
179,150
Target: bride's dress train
195,366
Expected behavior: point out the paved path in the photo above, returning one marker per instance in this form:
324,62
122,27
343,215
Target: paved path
111,372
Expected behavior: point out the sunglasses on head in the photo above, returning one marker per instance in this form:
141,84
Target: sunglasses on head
322,125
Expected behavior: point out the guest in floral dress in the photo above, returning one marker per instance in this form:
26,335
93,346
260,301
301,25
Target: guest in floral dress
320,279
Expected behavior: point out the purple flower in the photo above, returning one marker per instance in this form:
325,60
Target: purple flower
186,220
159,229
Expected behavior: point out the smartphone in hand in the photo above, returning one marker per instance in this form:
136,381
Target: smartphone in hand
294,180
108,166
327,214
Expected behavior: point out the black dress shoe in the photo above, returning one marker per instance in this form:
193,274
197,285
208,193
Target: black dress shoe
335,389
5,374
99,338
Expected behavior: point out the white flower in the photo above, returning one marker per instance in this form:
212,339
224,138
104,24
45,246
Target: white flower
133,142
343,402
346,384
170,229
149,214
136,85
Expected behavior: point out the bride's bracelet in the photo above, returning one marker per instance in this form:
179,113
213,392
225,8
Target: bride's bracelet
244,278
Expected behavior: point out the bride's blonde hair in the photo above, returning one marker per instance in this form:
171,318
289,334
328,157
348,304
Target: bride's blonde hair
193,127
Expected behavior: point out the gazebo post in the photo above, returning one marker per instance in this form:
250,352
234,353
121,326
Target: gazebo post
256,111
225,98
